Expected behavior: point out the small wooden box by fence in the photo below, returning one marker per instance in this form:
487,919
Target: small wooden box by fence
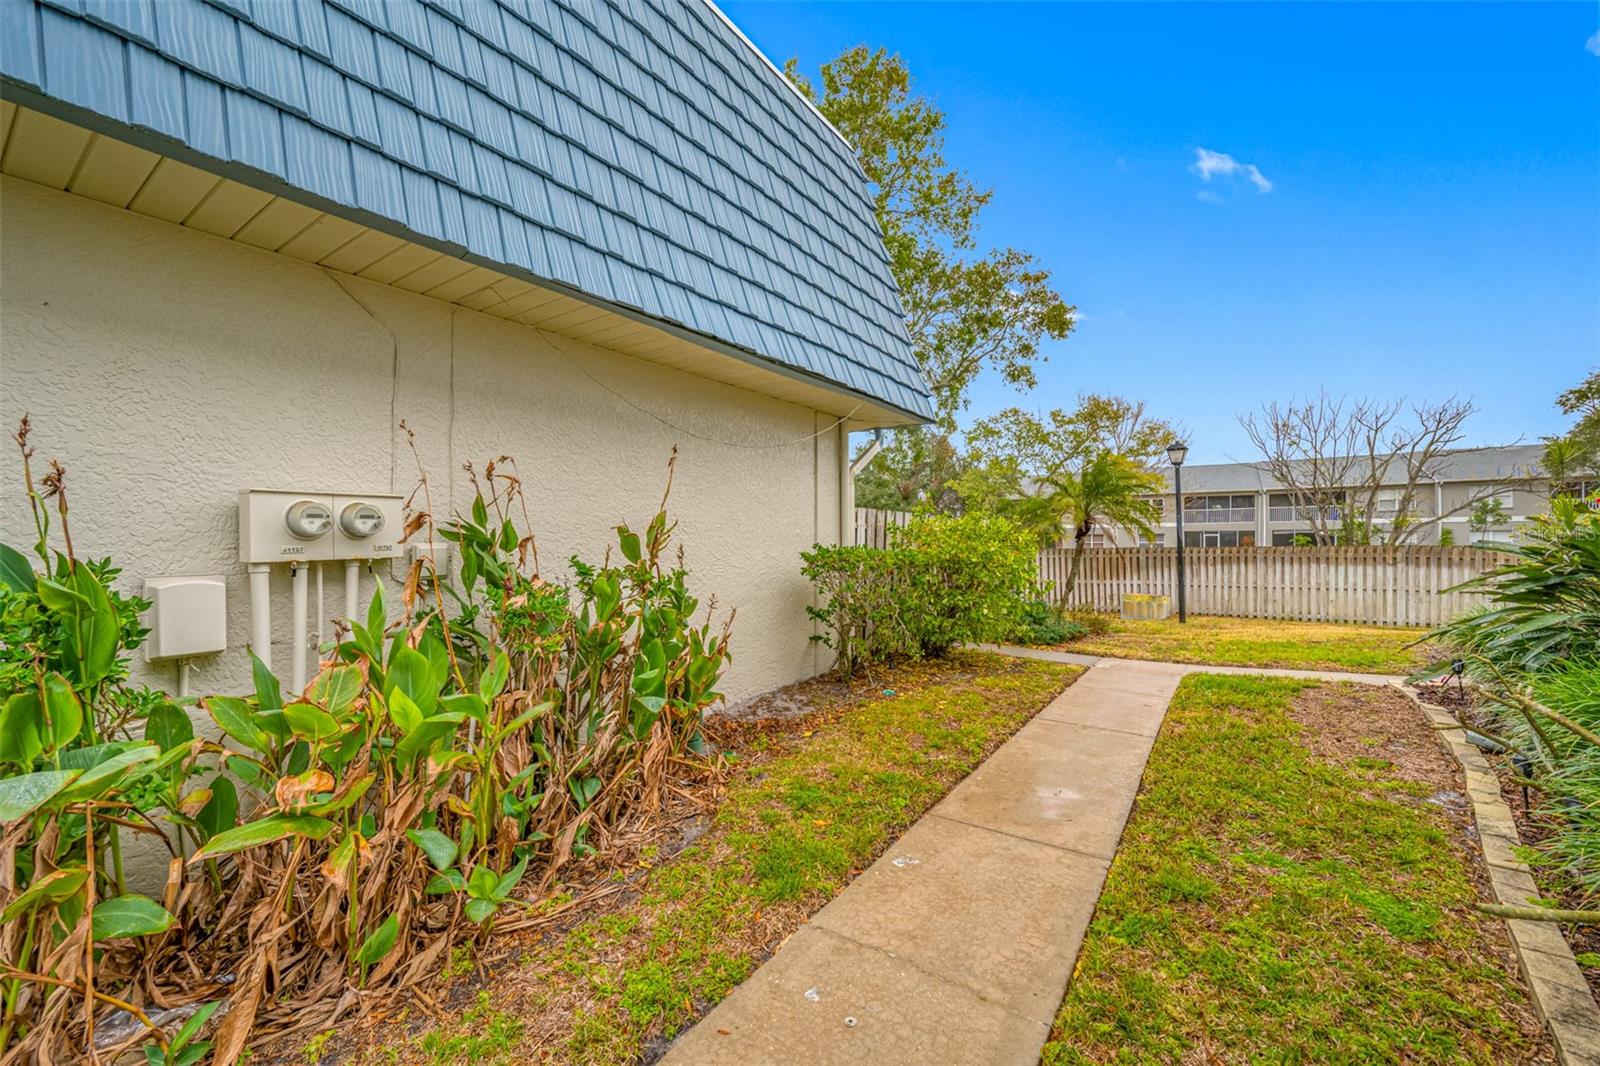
1141,608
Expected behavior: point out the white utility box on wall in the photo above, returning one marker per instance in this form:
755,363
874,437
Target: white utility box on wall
286,526
188,616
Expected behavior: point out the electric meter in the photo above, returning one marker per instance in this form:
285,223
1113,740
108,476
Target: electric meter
360,520
308,519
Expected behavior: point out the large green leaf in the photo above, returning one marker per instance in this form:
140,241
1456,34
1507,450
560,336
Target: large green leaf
423,739
91,628
221,810
50,889
234,717
412,673
119,769
167,726
16,572
335,690
93,754
25,793
403,711
21,729
310,722
272,828
379,942
130,915
493,681
440,849
66,712
269,697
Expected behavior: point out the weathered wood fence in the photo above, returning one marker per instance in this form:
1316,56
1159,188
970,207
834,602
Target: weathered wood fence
1395,586
872,525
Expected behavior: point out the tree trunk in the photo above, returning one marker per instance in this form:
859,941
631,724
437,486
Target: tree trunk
1080,541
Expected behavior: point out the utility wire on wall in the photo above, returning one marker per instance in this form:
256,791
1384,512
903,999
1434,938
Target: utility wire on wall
550,338
576,364
394,374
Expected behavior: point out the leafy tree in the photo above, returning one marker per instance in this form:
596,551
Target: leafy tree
964,311
1488,513
1109,490
1086,468
1579,448
916,467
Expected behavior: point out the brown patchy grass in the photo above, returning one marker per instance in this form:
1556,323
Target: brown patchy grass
813,795
1261,642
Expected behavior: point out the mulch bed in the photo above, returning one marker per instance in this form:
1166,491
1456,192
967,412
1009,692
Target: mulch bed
1533,826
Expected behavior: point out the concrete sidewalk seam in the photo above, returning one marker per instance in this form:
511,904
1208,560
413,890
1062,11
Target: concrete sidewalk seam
1018,836
1091,725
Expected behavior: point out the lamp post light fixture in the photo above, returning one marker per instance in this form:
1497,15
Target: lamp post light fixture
1177,452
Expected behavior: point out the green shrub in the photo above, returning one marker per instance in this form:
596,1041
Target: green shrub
1544,606
860,612
944,581
967,578
1042,622
1093,623
1535,648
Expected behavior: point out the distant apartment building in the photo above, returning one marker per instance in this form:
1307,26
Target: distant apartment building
1236,505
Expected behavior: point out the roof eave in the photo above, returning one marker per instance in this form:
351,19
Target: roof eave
870,412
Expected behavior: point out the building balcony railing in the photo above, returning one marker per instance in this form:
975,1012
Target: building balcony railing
1219,514
1300,514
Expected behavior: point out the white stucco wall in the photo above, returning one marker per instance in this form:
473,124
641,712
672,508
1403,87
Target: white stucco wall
169,369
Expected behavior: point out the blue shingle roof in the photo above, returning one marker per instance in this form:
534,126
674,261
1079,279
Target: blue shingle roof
638,151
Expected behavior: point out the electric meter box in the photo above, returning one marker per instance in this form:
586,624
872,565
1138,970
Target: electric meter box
368,526
289,526
188,616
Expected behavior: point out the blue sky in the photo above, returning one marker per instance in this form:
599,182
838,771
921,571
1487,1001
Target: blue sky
1432,224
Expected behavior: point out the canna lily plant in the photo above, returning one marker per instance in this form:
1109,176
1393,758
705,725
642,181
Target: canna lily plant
332,845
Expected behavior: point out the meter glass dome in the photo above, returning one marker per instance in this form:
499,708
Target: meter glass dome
360,520
308,519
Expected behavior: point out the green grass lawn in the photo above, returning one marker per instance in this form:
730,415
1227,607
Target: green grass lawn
1285,893
807,806
1261,642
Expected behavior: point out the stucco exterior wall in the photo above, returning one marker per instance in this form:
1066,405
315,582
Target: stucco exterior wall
168,369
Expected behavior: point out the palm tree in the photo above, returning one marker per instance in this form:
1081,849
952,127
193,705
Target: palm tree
1108,490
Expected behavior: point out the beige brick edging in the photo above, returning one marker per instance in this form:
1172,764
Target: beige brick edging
1560,994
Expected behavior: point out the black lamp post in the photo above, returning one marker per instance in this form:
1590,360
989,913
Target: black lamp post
1178,451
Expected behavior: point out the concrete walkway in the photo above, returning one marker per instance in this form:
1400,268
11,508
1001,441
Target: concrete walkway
1048,655
955,947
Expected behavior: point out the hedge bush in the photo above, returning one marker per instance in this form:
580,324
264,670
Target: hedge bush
943,581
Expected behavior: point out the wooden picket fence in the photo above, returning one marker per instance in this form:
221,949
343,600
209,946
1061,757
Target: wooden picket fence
1391,586
873,525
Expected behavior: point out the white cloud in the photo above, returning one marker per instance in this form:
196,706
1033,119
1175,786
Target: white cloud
1208,197
1209,164
1593,44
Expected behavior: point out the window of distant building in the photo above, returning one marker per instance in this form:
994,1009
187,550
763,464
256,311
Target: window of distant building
1214,509
1221,538
1281,508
